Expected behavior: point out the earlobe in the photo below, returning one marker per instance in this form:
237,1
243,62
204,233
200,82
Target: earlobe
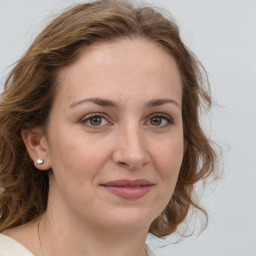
37,147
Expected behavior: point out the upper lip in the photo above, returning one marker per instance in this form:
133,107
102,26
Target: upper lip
127,183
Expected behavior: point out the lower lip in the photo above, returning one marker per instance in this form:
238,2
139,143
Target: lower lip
129,192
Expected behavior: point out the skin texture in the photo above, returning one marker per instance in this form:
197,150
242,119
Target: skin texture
127,139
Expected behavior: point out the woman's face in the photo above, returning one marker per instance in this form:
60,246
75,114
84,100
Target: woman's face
114,138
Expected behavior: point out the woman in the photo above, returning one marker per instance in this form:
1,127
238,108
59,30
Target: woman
100,136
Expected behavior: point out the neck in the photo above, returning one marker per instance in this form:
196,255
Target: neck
60,237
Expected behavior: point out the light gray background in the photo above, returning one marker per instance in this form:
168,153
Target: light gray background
222,33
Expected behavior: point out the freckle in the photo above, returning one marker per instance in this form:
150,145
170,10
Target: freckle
80,183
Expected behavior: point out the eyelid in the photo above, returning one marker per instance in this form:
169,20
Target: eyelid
87,117
161,115
164,116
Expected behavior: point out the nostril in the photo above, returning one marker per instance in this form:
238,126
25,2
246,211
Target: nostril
128,157
125,165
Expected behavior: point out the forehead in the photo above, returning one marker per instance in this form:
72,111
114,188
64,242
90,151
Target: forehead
135,51
126,64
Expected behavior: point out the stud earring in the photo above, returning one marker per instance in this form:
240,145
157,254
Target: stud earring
39,161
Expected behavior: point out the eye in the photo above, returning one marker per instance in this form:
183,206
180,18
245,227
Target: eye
159,120
95,121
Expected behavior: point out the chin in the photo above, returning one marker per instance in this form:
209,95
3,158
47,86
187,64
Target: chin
132,220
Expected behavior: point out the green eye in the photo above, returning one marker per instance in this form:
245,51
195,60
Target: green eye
95,121
156,121
160,120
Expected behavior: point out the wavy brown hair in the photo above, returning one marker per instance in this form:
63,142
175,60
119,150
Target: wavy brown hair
31,86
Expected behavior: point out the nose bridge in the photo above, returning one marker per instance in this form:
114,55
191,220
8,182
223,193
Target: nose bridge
132,139
131,148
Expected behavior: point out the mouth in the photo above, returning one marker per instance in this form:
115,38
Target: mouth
128,189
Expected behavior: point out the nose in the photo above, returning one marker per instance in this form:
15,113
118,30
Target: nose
130,149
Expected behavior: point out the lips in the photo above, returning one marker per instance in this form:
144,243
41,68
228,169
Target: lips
128,189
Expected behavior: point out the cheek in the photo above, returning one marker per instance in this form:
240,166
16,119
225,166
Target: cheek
169,157
76,158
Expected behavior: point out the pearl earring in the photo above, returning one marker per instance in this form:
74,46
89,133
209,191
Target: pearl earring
39,161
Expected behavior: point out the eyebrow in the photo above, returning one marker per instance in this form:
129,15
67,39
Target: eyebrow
109,103
159,102
98,101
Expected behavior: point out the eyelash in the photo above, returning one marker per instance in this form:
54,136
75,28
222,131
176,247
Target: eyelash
164,117
89,118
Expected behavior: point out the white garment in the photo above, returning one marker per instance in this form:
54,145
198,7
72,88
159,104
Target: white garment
149,252
10,247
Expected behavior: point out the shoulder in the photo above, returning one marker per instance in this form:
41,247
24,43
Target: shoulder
10,247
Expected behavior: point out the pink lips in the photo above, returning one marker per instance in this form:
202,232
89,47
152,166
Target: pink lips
129,189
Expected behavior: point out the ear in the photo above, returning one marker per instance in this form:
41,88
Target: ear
37,146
